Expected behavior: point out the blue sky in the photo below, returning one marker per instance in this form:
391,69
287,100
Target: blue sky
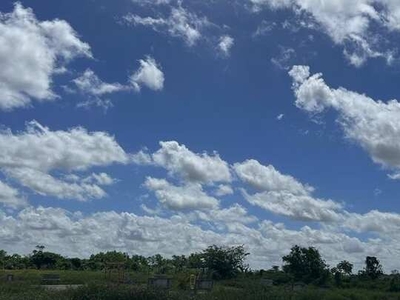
165,126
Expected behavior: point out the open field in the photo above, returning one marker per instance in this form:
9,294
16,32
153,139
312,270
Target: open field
27,286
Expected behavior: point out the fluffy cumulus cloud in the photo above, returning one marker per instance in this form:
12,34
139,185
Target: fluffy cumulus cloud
93,88
149,75
10,197
267,178
298,207
348,23
62,231
225,217
373,124
42,149
223,190
89,83
385,223
180,23
31,53
31,156
100,179
201,176
189,196
190,166
151,2
284,195
47,185
278,193
185,218
226,42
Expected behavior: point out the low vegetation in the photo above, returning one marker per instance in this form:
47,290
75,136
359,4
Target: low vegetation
304,275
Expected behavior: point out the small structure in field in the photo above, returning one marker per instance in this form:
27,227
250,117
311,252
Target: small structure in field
204,284
115,272
160,282
51,278
9,277
198,284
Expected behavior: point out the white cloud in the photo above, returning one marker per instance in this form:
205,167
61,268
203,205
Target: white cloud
394,176
385,223
299,74
298,207
264,28
280,117
224,190
224,218
193,167
149,75
267,178
233,214
225,44
151,2
284,195
89,83
32,155
347,23
100,179
91,86
10,197
187,197
31,53
372,124
142,158
283,60
392,14
46,185
200,219
275,4
62,231
180,23
42,149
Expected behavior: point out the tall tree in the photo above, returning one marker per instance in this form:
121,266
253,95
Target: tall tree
373,268
226,262
306,264
345,267
3,255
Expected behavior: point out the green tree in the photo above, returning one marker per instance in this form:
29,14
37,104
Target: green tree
76,263
345,267
373,268
306,264
99,260
179,262
47,260
195,261
41,259
3,255
139,263
275,268
337,275
226,262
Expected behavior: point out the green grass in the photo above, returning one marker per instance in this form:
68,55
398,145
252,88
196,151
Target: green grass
67,277
26,287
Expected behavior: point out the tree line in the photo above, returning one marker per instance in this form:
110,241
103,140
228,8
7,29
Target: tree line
302,264
225,262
